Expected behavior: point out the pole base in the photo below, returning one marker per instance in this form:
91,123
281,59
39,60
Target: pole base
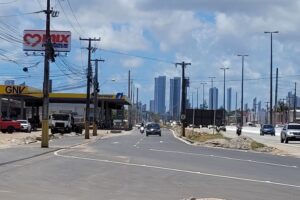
87,130
95,129
45,134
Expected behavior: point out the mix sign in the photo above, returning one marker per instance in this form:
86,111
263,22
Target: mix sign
34,40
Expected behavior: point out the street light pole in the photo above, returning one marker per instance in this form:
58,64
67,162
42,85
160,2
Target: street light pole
271,75
242,95
224,118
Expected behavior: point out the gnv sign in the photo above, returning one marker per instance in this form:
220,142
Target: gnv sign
34,40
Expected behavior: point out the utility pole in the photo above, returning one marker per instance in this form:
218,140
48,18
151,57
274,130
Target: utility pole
295,102
183,96
88,89
242,96
96,91
197,98
129,96
203,84
49,54
236,100
276,94
224,94
137,105
267,111
271,75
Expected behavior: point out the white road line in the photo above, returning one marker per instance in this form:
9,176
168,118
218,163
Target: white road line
224,157
176,170
136,144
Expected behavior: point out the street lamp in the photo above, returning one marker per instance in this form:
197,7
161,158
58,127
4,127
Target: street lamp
271,75
224,68
242,96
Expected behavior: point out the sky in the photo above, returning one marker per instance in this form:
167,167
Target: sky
149,36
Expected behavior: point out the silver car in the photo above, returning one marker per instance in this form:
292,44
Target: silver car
25,126
290,132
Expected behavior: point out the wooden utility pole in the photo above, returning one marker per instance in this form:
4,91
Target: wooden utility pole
88,88
183,97
95,101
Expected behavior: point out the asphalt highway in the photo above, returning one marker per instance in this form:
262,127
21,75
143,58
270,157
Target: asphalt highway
134,166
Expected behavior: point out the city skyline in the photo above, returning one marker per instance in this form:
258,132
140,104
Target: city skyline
174,99
160,95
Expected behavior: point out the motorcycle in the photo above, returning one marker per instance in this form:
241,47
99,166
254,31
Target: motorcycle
142,129
239,131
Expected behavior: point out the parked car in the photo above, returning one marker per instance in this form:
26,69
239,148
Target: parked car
25,126
290,132
8,125
153,129
267,129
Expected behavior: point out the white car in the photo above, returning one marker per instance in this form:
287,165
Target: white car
25,126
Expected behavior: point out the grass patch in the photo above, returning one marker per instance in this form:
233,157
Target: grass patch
203,137
256,145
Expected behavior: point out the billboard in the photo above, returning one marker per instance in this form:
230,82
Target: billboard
34,40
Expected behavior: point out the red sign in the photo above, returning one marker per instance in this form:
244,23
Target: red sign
34,40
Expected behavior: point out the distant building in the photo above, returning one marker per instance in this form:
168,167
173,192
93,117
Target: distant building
160,95
213,98
151,107
290,100
174,105
144,108
246,107
9,82
229,97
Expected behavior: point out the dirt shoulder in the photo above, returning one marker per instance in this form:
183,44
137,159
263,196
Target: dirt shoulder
22,138
209,139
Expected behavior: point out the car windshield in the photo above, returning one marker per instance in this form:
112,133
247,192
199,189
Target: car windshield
60,117
268,126
156,126
294,127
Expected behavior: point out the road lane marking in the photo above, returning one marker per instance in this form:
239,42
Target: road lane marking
175,170
115,142
138,142
224,157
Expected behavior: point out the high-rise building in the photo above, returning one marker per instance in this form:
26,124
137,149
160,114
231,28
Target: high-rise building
213,98
174,105
151,107
160,95
229,96
9,82
144,108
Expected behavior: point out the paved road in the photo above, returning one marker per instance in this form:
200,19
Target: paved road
133,167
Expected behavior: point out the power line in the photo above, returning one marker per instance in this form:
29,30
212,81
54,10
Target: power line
9,2
137,56
75,17
21,14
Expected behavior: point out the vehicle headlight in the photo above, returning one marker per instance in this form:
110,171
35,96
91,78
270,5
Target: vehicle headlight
290,133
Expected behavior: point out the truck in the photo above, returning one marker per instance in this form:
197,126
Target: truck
9,126
66,123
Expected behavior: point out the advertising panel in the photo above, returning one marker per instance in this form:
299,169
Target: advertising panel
34,40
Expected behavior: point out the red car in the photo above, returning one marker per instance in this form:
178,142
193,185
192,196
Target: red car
9,125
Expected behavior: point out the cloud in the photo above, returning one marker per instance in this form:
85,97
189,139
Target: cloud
132,62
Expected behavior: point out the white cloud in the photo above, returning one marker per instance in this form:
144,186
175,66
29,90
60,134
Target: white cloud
132,62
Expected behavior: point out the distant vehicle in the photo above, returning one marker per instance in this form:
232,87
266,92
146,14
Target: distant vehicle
290,132
153,129
267,129
66,123
7,125
25,126
138,125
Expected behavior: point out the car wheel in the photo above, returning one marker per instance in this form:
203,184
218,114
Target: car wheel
281,139
286,140
147,134
160,134
10,129
262,134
